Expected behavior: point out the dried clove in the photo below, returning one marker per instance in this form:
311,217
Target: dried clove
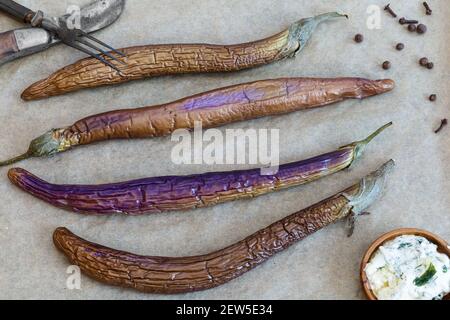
428,9
411,21
402,20
389,9
444,122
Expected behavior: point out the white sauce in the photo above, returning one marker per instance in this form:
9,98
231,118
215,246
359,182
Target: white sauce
409,268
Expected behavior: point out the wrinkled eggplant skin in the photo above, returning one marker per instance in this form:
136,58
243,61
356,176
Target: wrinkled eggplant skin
170,59
211,109
161,194
158,60
222,106
166,275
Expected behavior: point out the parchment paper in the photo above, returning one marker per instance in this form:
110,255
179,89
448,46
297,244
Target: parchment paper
324,266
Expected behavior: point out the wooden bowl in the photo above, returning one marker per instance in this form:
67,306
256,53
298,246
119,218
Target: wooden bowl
442,245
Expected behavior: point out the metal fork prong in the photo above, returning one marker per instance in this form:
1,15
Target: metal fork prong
87,35
96,56
93,46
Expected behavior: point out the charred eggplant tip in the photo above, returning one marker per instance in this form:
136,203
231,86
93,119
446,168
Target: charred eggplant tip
385,84
13,174
375,87
17,174
58,234
25,96
58,237
37,90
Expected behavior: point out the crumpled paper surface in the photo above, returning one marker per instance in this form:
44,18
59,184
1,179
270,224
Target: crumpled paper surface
324,266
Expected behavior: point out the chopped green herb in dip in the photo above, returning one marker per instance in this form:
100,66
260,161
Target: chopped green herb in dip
426,277
409,268
404,245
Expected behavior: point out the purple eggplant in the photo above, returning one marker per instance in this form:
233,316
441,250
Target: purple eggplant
170,193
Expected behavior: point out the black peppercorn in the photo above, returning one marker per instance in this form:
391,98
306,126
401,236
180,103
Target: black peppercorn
430,65
359,38
421,28
423,62
386,65
400,46
433,97
412,27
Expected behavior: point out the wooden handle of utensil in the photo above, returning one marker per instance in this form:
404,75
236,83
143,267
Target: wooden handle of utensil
8,44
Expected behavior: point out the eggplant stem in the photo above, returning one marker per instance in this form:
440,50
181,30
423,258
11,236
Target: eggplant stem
328,15
376,133
301,31
359,146
16,159
370,188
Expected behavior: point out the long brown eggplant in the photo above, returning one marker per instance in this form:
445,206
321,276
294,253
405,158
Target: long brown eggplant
167,275
214,108
170,59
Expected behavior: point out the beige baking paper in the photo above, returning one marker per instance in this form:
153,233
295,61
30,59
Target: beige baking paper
324,266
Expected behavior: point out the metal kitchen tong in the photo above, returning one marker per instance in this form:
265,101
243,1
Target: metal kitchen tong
74,38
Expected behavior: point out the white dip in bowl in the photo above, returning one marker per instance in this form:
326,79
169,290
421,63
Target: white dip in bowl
409,268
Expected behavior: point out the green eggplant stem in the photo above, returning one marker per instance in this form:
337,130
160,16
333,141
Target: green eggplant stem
328,15
376,133
301,31
359,146
24,156
46,145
